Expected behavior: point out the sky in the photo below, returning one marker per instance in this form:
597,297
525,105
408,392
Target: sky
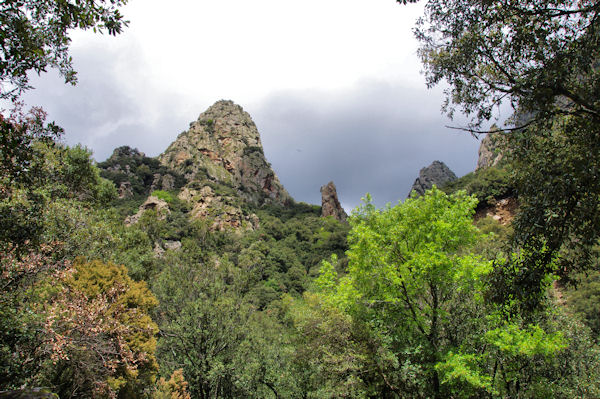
334,87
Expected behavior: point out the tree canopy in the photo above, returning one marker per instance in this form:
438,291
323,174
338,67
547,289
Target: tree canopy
526,52
34,35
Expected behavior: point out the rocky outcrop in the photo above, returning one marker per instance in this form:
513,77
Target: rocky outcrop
125,190
436,174
330,205
162,182
152,203
222,159
490,151
160,249
502,211
224,210
223,146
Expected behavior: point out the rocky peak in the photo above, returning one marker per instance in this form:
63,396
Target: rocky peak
436,174
223,146
330,205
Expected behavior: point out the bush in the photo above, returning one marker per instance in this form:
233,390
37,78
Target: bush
163,195
487,184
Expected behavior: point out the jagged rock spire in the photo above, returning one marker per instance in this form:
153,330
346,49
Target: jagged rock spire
330,205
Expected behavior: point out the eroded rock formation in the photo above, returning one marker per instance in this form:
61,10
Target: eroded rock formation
330,205
152,203
223,146
222,159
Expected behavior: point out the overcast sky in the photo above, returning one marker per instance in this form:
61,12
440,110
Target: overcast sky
334,87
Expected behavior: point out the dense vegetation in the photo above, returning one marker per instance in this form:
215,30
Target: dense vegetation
413,300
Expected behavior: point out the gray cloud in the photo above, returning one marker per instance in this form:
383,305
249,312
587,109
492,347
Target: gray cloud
103,111
372,138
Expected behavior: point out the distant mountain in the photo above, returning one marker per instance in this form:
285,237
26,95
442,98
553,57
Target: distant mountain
437,174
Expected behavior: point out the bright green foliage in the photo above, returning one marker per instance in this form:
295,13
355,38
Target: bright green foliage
462,371
163,195
407,265
526,342
417,290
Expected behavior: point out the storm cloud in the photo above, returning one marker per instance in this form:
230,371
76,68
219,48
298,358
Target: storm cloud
374,137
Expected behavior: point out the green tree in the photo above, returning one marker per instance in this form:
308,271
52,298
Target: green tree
542,57
34,35
417,289
225,347
408,274
526,52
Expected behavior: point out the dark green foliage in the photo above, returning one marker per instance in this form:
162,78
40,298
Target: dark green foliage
584,299
527,53
226,348
251,149
35,36
289,211
557,175
127,164
209,124
55,172
488,185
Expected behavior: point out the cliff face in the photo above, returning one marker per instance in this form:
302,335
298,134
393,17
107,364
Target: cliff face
490,151
223,146
435,174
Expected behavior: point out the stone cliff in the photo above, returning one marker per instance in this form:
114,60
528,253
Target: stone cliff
222,160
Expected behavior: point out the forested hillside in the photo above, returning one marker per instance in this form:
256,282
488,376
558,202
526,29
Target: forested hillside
195,274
